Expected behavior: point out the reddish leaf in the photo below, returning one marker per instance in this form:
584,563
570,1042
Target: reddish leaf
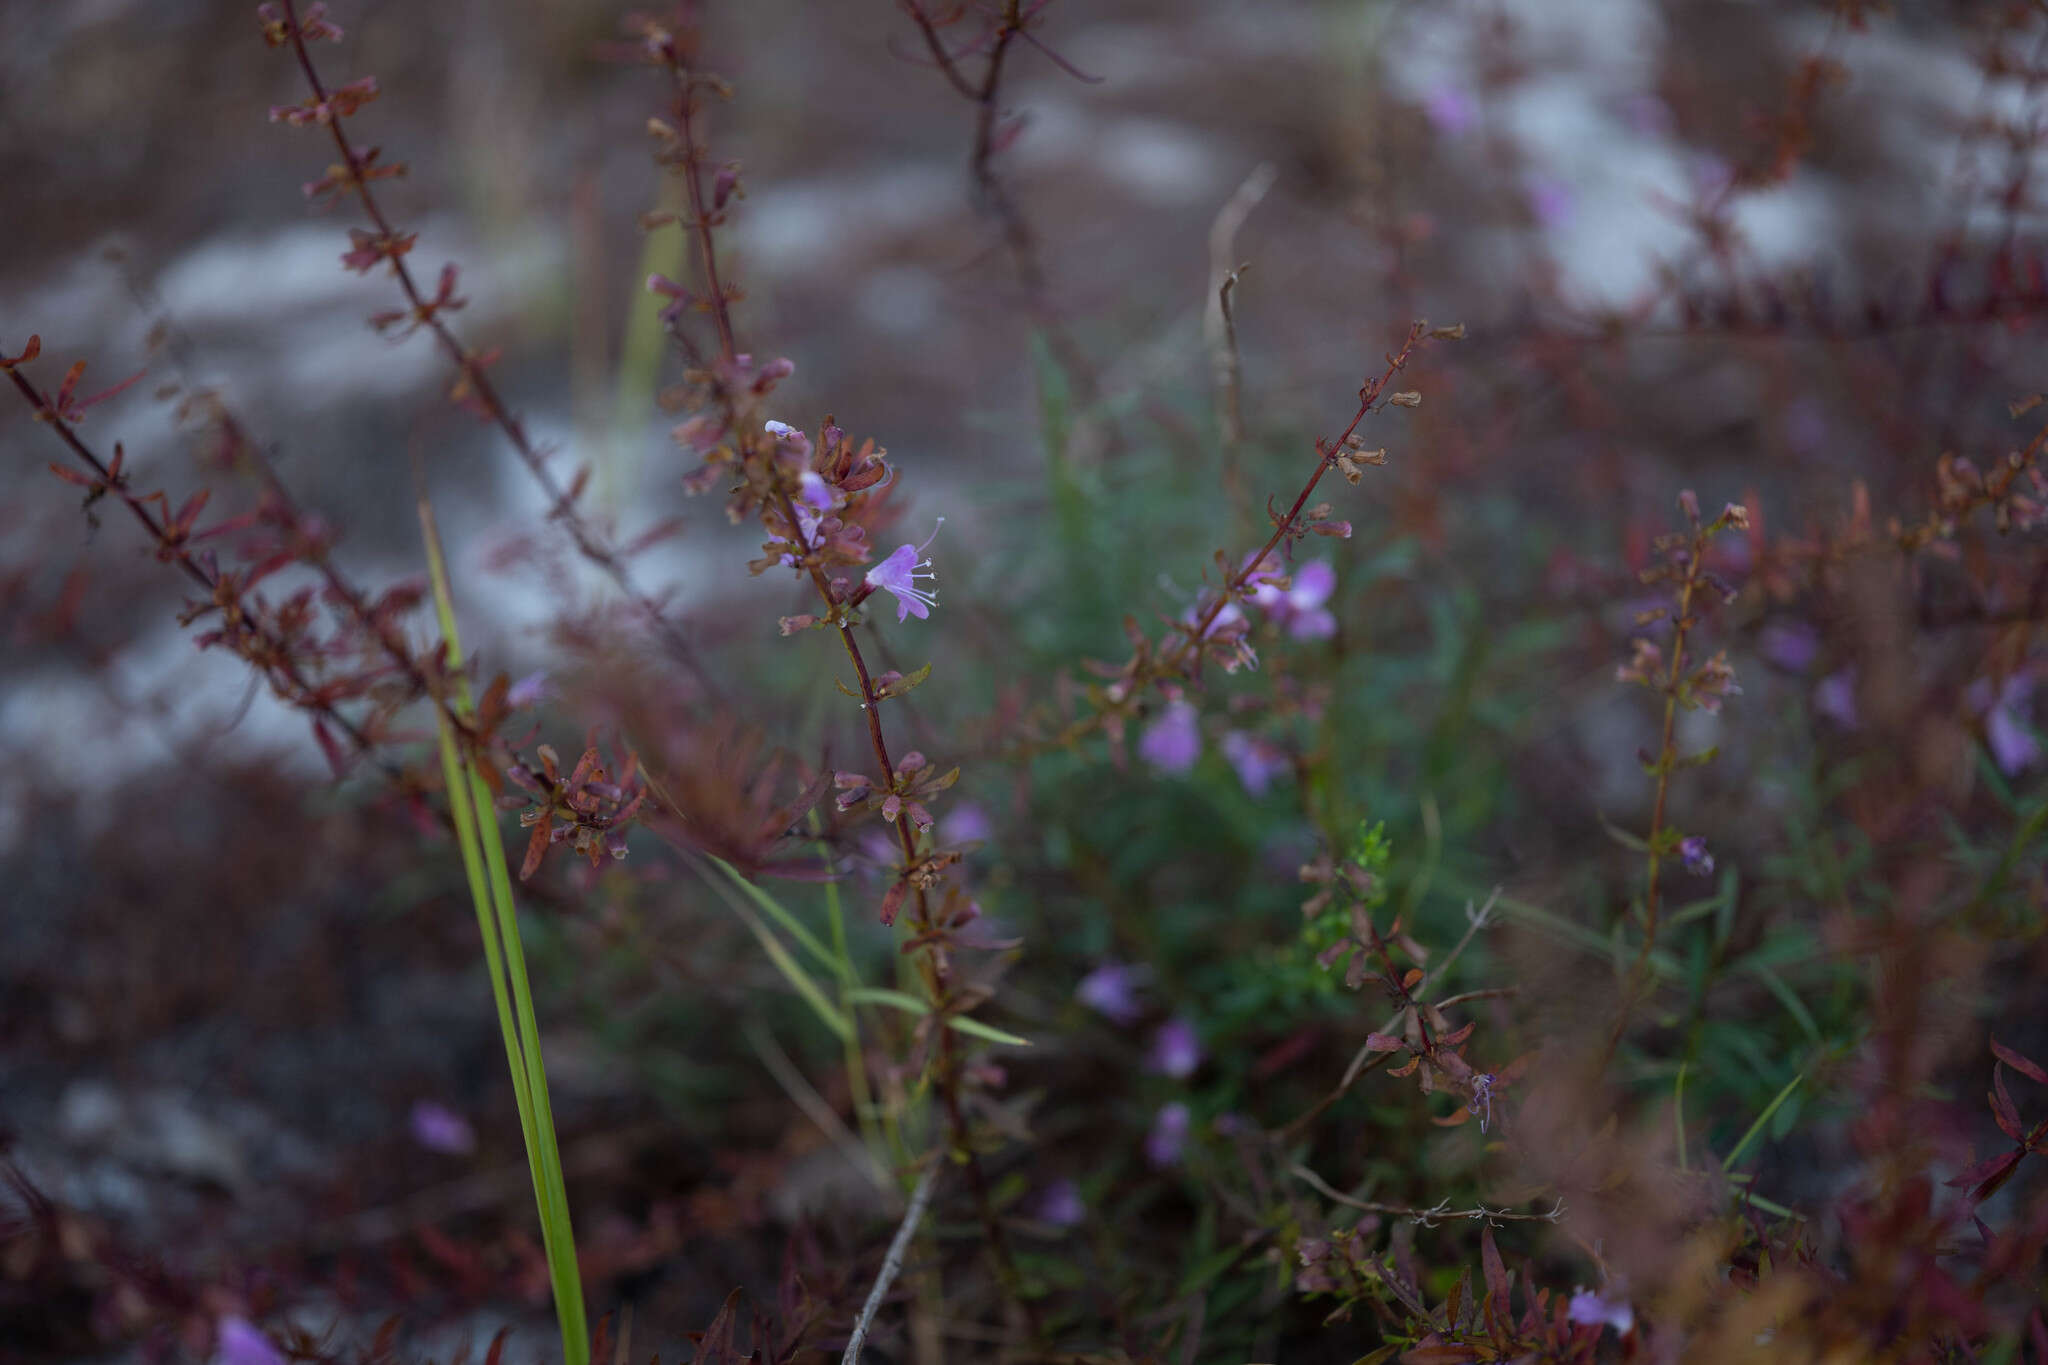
2003,1109
2031,1070
28,353
1498,1283
536,849
1383,1042
1987,1176
336,760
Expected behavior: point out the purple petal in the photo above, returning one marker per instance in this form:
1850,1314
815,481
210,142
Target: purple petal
1790,645
1257,762
1176,1050
1169,1135
1313,585
237,1342
438,1128
1060,1205
1589,1308
1111,990
1173,742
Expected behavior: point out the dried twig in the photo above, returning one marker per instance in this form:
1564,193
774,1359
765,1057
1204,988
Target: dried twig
892,1264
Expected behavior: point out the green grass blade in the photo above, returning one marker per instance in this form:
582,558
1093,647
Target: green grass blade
910,1004
490,881
1757,1128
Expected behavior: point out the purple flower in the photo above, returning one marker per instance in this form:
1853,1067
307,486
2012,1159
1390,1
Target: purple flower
1589,1307
1257,761
528,691
1550,200
1450,110
438,1128
898,575
1173,742
1835,697
1698,861
238,1342
1111,990
1790,645
1060,1205
1168,1136
815,492
1300,608
2013,745
965,823
1176,1050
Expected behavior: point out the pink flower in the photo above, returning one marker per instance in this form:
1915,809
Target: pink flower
1173,742
898,575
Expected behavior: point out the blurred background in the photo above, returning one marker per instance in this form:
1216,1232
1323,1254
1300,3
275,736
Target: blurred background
1785,255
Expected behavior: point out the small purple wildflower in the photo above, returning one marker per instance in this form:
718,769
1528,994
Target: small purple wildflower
1589,1308
1173,742
1060,1205
1111,990
1300,608
964,824
238,1342
1698,861
2014,747
530,690
1835,697
1169,1135
1482,1098
1550,200
438,1128
1176,1049
815,492
1257,761
1450,110
898,575
781,431
1790,645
